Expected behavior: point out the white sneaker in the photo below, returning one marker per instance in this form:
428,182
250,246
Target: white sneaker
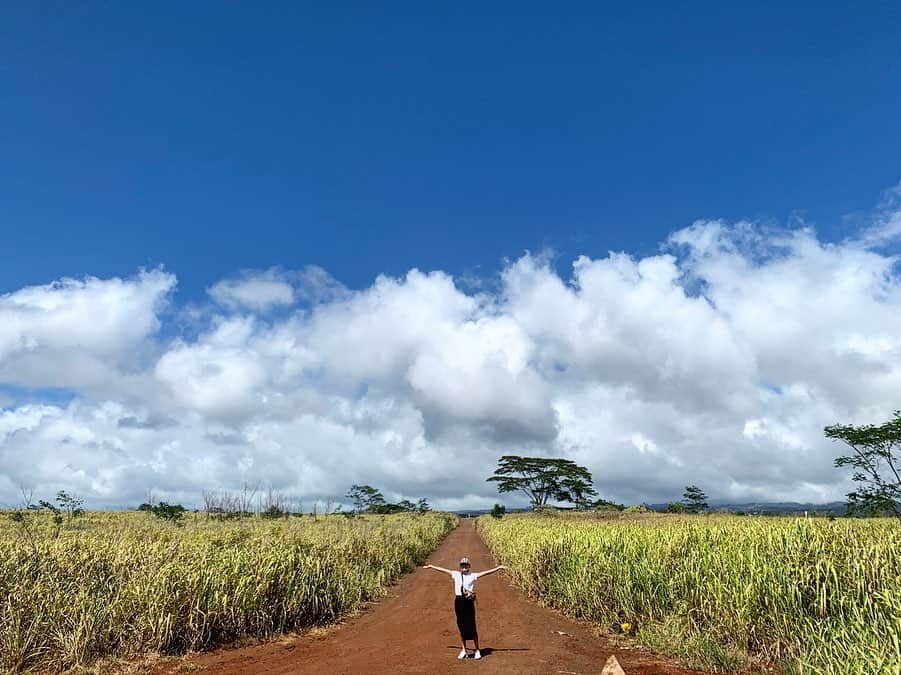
462,654
477,655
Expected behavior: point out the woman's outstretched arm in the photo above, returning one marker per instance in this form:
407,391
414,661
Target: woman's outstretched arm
439,569
491,571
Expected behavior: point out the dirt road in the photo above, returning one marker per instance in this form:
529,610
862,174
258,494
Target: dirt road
413,631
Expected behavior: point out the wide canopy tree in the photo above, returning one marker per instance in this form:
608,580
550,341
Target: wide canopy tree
365,497
544,478
876,461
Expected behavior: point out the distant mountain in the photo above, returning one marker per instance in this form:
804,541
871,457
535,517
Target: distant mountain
484,512
768,508
773,508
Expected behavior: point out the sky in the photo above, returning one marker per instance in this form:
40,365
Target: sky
306,247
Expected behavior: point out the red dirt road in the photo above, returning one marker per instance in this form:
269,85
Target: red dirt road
413,631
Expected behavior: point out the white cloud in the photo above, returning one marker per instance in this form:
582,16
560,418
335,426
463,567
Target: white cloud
886,226
716,362
256,291
81,333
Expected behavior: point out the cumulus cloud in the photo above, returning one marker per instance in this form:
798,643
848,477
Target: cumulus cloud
717,361
81,333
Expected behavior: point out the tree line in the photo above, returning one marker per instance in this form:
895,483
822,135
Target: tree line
367,499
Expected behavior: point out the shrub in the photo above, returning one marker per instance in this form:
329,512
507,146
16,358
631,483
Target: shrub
172,513
605,505
637,508
273,512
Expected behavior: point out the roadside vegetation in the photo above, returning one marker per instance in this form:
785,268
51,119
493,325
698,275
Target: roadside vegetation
803,595
163,580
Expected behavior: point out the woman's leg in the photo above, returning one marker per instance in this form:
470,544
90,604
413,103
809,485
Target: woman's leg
459,611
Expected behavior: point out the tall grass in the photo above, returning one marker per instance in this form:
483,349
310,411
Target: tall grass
123,584
803,595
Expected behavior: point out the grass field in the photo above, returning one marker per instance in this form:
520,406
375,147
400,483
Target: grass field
122,584
800,595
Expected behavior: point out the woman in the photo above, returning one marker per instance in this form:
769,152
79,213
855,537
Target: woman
465,602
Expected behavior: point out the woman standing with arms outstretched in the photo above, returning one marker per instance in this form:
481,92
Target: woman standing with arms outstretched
465,602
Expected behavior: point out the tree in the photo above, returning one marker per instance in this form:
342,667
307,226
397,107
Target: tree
498,511
365,498
170,512
694,499
577,490
676,507
876,462
245,498
388,508
406,505
422,505
541,479
71,504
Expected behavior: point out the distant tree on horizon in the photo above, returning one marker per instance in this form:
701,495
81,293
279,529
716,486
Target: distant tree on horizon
694,500
877,465
543,478
71,504
365,498
172,513
406,505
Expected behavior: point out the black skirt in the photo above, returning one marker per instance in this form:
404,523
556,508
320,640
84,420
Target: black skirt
465,610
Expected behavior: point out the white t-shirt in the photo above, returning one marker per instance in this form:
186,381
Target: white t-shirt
468,580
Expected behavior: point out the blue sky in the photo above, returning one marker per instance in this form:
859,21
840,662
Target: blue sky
213,137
